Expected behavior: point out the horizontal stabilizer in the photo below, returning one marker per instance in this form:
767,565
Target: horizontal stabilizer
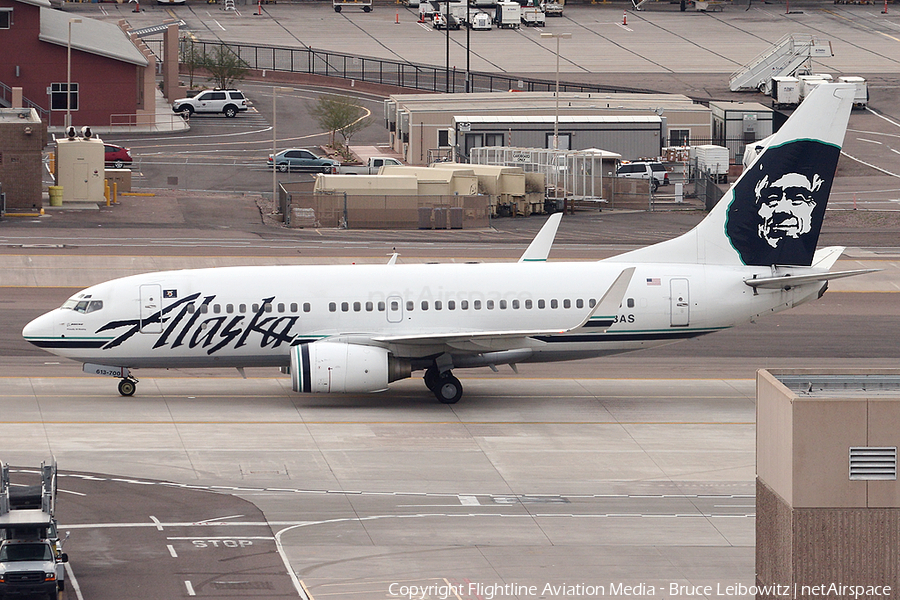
789,281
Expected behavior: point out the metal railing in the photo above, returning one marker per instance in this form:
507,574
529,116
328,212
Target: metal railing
6,96
376,70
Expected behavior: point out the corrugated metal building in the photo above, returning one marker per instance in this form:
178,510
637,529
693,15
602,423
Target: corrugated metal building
632,136
419,125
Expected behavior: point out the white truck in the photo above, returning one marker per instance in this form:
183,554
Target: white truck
509,15
533,16
372,166
552,8
366,5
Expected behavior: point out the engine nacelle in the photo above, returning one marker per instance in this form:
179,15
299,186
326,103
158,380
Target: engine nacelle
324,367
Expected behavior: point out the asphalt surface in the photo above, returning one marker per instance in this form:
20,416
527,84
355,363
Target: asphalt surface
636,469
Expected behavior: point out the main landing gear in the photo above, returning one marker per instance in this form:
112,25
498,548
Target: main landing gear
445,387
127,386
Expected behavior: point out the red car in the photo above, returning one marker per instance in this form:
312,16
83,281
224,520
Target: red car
117,156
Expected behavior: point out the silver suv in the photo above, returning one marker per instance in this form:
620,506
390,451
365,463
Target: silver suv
227,102
645,170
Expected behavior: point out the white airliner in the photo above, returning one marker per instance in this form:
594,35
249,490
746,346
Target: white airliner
357,328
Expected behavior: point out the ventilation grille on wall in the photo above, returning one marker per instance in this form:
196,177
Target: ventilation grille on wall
872,463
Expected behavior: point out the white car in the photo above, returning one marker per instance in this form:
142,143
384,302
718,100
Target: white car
645,170
227,102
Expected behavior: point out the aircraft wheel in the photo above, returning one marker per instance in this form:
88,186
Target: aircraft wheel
127,387
449,390
431,378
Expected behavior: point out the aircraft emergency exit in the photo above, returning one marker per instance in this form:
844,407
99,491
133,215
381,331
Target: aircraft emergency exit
357,328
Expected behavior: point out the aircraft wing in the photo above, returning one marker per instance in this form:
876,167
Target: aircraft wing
601,317
788,281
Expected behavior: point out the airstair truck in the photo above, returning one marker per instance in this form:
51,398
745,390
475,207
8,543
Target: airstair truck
31,558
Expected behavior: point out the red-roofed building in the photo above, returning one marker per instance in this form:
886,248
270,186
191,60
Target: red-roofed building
113,73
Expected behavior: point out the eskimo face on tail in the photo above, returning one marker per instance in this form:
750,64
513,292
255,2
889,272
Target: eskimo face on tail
779,204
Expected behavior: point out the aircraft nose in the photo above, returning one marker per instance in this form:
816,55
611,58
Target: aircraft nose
40,329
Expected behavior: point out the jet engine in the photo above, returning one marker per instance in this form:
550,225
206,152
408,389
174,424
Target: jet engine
324,367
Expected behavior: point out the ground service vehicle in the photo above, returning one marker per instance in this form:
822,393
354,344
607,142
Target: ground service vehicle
366,5
552,9
372,166
227,102
32,563
645,170
300,159
481,21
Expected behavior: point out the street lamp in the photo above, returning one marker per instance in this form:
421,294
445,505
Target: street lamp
69,73
275,91
556,120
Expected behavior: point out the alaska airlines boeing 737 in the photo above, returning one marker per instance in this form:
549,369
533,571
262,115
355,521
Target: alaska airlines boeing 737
357,328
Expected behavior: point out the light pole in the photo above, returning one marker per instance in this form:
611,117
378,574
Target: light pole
468,31
556,120
275,91
69,73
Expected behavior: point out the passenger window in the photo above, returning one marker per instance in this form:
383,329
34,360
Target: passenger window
451,305
424,304
476,304
464,305
490,304
229,308
567,303
306,307
369,307
437,305
357,307
332,307
281,307
242,308
191,309
541,303
217,308
503,305
554,303
255,308
592,303
630,302
345,307
410,304
267,307
293,307
528,304
515,304
381,306
204,308
579,303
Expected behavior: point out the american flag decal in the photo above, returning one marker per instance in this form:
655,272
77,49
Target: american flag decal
653,281
170,293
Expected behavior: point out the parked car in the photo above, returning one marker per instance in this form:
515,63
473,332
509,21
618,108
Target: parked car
227,102
645,170
299,159
116,156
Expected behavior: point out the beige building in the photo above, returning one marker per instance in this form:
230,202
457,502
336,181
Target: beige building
421,126
828,498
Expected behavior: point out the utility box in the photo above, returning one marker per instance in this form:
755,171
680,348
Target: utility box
80,169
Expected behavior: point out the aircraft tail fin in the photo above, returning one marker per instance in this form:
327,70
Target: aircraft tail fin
773,213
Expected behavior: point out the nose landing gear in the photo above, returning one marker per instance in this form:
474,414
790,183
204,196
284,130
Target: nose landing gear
128,385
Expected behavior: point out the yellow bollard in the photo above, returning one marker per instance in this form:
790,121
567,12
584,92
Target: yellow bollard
106,190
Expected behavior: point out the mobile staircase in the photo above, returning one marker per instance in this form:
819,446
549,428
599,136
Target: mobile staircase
784,58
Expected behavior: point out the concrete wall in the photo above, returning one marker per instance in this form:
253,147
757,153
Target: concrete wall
814,524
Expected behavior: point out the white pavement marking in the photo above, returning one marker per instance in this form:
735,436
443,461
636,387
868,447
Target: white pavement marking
172,550
159,526
190,588
73,582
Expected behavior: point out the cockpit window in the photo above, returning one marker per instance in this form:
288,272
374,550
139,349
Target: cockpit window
82,303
